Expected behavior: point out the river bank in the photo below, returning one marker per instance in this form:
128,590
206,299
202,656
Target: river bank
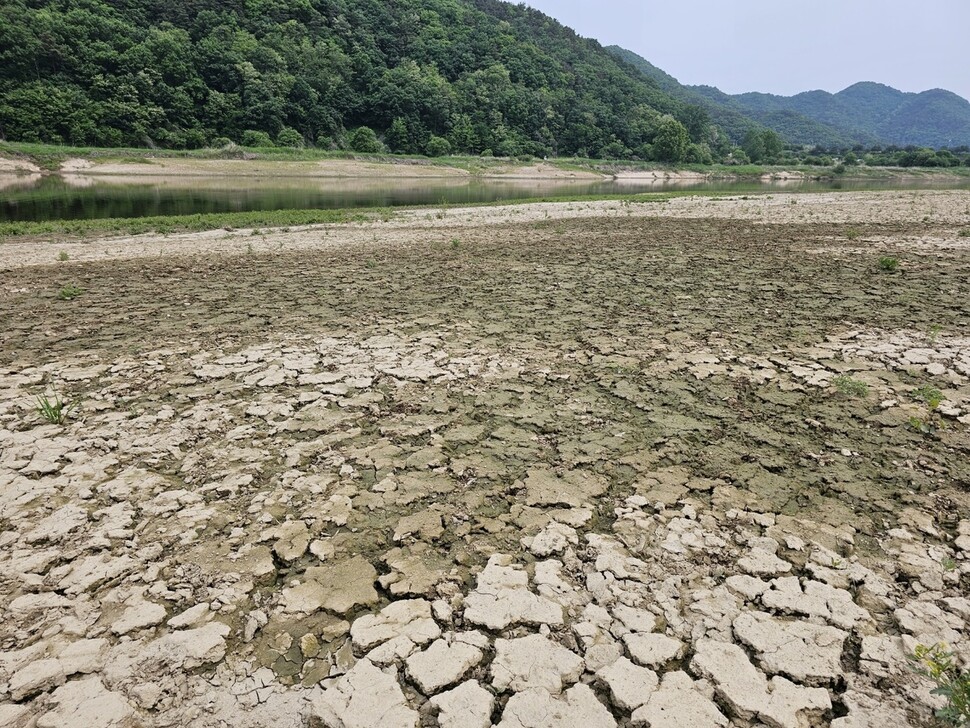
280,162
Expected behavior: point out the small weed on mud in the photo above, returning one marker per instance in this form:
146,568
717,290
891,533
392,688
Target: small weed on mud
931,397
852,233
965,233
63,256
850,387
938,664
888,264
69,292
54,409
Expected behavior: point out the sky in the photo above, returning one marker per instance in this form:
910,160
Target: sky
785,46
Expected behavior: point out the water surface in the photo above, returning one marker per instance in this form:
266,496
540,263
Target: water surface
54,197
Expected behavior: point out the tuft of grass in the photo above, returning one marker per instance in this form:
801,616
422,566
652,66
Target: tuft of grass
850,387
455,243
54,409
928,395
939,665
965,233
888,264
852,233
63,256
69,292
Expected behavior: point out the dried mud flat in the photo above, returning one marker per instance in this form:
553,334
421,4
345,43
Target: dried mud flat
563,465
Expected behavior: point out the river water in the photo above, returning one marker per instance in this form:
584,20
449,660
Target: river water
58,198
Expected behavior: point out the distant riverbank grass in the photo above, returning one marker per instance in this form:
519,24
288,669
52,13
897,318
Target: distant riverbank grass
186,223
50,157
275,218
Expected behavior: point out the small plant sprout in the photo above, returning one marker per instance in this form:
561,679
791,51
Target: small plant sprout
935,331
455,243
888,264
932,398
63,256
850,387
938,664
948,564
54,409
852,233
69,292
965,233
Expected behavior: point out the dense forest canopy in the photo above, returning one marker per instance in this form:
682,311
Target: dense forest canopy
425,76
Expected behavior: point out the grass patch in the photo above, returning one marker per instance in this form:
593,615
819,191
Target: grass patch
928,395
69,292
850,387
54,409
183,223
888,264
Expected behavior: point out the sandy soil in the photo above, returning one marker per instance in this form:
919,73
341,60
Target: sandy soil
17,166
340,168
622,465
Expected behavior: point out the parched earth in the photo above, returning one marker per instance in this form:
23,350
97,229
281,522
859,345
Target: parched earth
658,465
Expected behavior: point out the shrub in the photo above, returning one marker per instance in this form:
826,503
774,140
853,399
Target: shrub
437,147
289,137
220,142
939,665
253,138
364,140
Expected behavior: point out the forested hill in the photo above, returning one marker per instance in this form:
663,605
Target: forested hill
427,76
865,113
872,111
730,114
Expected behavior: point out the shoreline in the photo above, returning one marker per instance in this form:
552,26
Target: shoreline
29,160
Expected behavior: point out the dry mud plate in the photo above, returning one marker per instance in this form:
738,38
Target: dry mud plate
667,465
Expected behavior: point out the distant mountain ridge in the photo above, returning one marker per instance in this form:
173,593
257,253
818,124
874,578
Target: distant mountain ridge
864,113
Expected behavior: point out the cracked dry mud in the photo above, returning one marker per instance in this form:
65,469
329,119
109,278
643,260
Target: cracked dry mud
587,467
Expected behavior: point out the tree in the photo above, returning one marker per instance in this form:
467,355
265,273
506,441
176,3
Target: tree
671,141
762,145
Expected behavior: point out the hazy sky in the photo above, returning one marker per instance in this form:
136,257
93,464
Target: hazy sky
785,46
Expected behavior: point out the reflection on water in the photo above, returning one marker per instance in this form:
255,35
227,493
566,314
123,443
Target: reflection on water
79,196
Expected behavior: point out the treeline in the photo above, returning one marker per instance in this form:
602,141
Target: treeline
408,76
876,156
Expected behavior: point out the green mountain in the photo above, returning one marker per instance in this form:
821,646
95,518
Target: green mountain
870,113
425,75
865,113
729,114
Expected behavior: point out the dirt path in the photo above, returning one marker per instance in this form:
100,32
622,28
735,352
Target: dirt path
475,467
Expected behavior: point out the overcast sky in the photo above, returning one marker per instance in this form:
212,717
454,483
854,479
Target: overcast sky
785,46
